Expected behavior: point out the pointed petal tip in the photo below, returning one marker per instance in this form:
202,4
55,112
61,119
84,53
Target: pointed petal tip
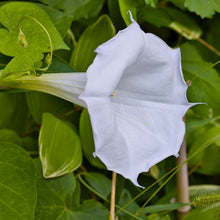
131,17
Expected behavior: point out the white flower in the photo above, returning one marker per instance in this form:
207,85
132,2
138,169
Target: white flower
136,98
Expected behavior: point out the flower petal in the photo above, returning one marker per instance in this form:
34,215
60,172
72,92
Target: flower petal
64,85
112,59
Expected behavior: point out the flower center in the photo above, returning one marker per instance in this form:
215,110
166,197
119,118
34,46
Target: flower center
113,94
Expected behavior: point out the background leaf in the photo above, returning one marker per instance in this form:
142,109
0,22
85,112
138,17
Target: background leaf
99,182
175,19
204,79
54,196
39,103
96,34
17,183
203,8
61,21
79,8
13,111
130,5
86,136
37,40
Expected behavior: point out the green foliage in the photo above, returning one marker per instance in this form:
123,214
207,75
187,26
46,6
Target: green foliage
44,136
152,3
87,141
17,183
14,114
203,8
132,6
96,34
56,199
59,147
198,214
204,79
23,37
174,19
39,103
99,182
79,8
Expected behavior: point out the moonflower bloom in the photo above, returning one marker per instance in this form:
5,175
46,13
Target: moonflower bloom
136,97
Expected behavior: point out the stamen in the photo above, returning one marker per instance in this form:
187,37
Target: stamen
113,94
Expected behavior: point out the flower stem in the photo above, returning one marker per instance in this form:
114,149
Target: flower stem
113,191
182,181
209,46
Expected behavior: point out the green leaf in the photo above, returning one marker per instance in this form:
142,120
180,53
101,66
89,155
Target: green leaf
175,19
90,209
203,8
158,17
61,21
205,80
86,136
198,214
13,111
59,66
54,196
17,183
132,6
17,64
74,200
99,182
155,172
162,207
115,14
11,136
178,3
96,34
4,60
208,158
78,8
210,161
28,143
39,103
152,3
132,208
35,40
59,145
156,216
191,126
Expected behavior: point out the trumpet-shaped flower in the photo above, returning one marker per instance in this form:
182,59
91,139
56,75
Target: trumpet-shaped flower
136,97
